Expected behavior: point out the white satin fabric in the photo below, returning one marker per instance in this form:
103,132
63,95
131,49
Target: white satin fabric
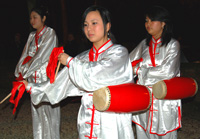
35,72
111,67
164,115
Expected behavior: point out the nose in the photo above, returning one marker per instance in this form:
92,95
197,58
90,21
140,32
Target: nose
88,27
31,20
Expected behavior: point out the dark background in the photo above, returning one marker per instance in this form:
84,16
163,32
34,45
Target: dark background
127,21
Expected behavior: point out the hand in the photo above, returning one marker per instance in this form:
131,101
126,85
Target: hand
63,58
25,83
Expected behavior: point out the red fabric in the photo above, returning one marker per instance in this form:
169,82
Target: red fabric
20,77
20,93
152,52
91,54
135,62
26,60
152,56
53,59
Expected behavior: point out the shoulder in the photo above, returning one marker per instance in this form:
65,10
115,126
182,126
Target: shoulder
118,47
83,54
32,33
50,31
173,44
143,42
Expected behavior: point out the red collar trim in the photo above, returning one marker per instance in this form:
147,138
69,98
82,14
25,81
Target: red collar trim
156,41
102,45
91,53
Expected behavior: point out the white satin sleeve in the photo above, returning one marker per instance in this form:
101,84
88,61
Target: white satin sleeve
169,67
49,41
136,53
55,92
18,68
112,67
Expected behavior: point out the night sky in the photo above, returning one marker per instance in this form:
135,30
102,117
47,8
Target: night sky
127,20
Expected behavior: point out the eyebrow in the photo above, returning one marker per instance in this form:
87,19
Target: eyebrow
92,20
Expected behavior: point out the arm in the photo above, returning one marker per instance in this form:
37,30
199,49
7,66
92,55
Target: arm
112,68
42,55
136,56
170,66
53,93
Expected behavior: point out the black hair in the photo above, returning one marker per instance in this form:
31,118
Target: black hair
157,13
105,15
42,11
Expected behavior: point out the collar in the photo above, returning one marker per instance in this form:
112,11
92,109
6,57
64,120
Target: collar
41,32
104,47
94,53
156,41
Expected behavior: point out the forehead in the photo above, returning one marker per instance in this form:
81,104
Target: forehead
93,15
33,13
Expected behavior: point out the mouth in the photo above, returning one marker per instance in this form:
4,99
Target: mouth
90,35
148,28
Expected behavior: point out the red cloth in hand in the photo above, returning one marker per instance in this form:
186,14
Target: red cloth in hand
135,62
24,62
20,94
20,77
53,59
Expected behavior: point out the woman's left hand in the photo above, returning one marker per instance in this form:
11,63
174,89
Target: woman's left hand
63,58
25,83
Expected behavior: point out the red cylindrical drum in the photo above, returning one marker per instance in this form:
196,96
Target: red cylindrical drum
175,88
128,97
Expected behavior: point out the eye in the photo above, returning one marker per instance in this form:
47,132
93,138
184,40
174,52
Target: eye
85,25
94,23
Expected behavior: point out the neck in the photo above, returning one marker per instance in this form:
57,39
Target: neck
40,29
156,37
97,45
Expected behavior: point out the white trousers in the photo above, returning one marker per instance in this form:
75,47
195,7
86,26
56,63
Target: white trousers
141,134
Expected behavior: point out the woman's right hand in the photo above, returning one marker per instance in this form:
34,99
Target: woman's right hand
63,58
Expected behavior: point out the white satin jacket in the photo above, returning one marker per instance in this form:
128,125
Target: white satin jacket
159,63
39,47
111,66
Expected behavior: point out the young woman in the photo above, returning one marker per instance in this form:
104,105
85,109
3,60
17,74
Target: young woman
32,67
159,54
103,65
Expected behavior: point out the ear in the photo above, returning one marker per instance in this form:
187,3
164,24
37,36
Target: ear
108,26
162,24
44,18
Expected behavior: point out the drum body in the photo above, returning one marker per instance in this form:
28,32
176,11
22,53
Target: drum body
122,98
175,88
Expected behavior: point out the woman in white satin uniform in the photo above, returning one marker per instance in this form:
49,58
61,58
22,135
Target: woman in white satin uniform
159,54
32,67
103,65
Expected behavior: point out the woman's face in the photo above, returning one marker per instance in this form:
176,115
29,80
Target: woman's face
94,29
154,28
36,21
